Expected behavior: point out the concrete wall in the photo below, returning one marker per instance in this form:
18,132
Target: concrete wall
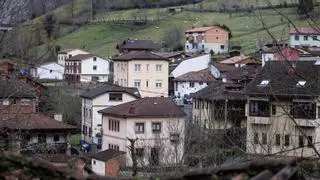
148,139
50,71
183,88
281,124
87,71
145,75
98,167
301,42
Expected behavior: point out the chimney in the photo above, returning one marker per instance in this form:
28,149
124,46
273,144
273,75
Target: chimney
57,117
132,110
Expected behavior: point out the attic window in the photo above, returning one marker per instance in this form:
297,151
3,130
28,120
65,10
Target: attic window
264,83
301,83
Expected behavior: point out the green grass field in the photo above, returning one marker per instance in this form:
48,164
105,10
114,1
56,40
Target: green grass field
247,29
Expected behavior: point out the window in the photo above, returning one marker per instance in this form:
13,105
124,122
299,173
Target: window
318,111
137,67
114,125
191,84
113,146
256,138
139,128
304,110
158,83
25,102
156,127
305,38
56,137
94,68
50,70
277,139
259,108
94,162
217,37
42,138
221,46
90,131
273,109
310,141
6,102
115,97
296,37
147,67
147,83
174,138
137,83
94,58
301,144
264,138
159,67
287,140
314,38
139,152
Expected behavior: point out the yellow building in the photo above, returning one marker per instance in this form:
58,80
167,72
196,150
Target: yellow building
144,70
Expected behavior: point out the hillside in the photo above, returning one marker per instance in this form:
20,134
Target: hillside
101,36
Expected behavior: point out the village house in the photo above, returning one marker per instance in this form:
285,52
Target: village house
85,68
283,110
144,70
192,82
194,63
136,45
94,100
48,70
304,37
207,39
22,128
68,53
156,122
108,162
8,68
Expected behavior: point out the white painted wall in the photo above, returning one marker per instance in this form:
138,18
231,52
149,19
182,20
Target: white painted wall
301,42
183,88
148,139
99,103
267,57
193,64
98,167
49,71
49,138
87,71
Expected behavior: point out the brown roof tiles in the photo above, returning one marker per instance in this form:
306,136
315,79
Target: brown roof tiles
79,57
146,107
196,76
305,30
139,55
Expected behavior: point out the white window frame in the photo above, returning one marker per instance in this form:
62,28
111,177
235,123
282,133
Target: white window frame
159,67
137,67
158,83
137,81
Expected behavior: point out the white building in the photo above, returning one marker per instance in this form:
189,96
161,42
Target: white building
99,98
192,82
84,68
157,122
49,70
304,37
68,53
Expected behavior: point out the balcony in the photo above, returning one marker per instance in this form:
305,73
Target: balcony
306,122
259,120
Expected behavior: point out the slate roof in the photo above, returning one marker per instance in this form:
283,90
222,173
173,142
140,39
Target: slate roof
108,87
147,107
16,88
79,57
137,45
305,30
107,154
139,55
32,121
196,76
283,77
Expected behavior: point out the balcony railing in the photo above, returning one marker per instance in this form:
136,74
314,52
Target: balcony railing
305,122
259,120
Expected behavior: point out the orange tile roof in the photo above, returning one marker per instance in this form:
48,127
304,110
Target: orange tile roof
235,59
201,29
305,30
